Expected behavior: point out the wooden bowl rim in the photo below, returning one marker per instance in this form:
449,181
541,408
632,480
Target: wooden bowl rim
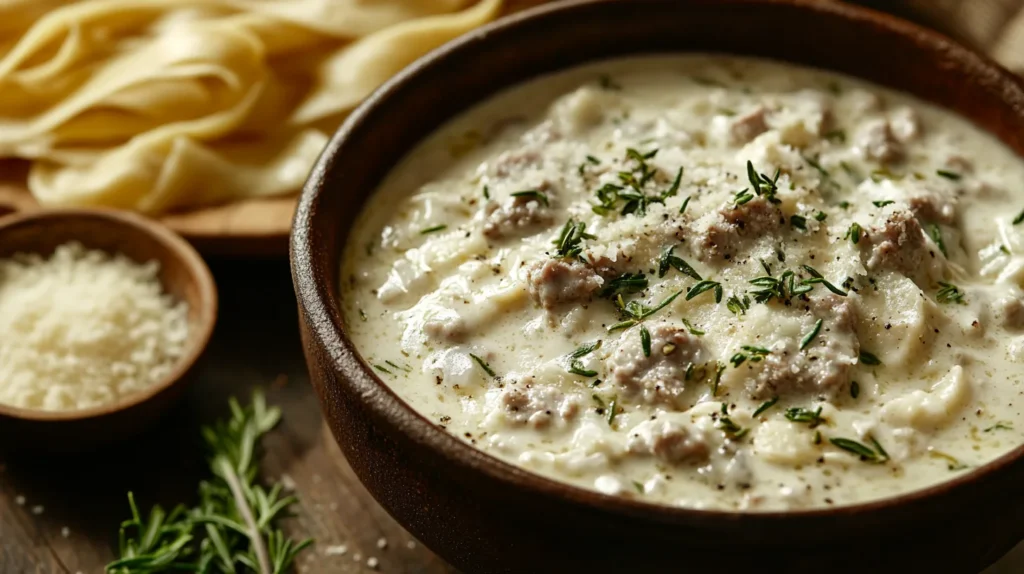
198,272
317,294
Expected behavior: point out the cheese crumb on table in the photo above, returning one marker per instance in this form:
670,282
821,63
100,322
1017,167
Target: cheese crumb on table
84,328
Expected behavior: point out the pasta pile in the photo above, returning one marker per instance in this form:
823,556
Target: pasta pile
158,105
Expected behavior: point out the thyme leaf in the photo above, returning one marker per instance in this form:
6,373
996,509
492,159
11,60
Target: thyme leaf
483,365
810,335
765,406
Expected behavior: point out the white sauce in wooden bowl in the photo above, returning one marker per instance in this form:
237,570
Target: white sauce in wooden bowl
847,326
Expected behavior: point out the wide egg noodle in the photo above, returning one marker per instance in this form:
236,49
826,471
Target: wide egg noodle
158,105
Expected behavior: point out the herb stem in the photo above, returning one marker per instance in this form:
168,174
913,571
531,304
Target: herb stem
235,485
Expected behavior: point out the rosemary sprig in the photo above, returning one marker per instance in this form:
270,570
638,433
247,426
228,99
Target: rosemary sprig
635,311
233,527
802,415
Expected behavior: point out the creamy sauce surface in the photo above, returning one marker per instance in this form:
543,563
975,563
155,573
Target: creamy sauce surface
704,281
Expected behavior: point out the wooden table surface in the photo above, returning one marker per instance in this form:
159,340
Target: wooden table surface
256,344
60,515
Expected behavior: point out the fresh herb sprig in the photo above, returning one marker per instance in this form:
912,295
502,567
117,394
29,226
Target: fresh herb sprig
576,365
807,416
569,243
866,453
762,185
949,294
754,354
668,260
635,311
729,426
234,526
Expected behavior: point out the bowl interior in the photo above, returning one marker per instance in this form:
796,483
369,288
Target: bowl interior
182,272
823,34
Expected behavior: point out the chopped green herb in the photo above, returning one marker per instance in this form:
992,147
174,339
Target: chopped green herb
817,437
854,233
705,285
570,239
728,426
867,358
597,399
810,335
427,230
754,354
585,350
718,379
576,366
738,306
362,315
693,330
682,208
883,203
765,406
816,278
639,487
1001,425
948,174
799,222
593,160
802,415
483,365
864,452
936,234
821,216
743,196
635,311
536,194
949,294
844,205
763,185
487,193
406,368
624,284
383,370
1019,218
674,188
613,410
669,260
854,389
645,340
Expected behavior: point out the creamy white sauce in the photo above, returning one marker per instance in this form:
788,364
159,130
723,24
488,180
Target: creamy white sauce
433,308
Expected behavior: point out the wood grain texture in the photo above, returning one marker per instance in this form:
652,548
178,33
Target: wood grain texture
256,344
253,228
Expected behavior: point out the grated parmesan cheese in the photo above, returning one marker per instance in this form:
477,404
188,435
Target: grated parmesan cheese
84,328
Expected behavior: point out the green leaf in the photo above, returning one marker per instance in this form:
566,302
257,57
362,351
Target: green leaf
810,335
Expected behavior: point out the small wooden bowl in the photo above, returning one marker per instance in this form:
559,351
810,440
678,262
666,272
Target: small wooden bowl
183,274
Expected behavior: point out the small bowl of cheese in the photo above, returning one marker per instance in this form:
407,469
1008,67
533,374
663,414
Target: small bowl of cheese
103,317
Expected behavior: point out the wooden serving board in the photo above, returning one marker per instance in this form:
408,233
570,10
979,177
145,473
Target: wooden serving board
250,228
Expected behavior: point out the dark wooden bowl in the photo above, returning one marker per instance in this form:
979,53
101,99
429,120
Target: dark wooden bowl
484,515
183,274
